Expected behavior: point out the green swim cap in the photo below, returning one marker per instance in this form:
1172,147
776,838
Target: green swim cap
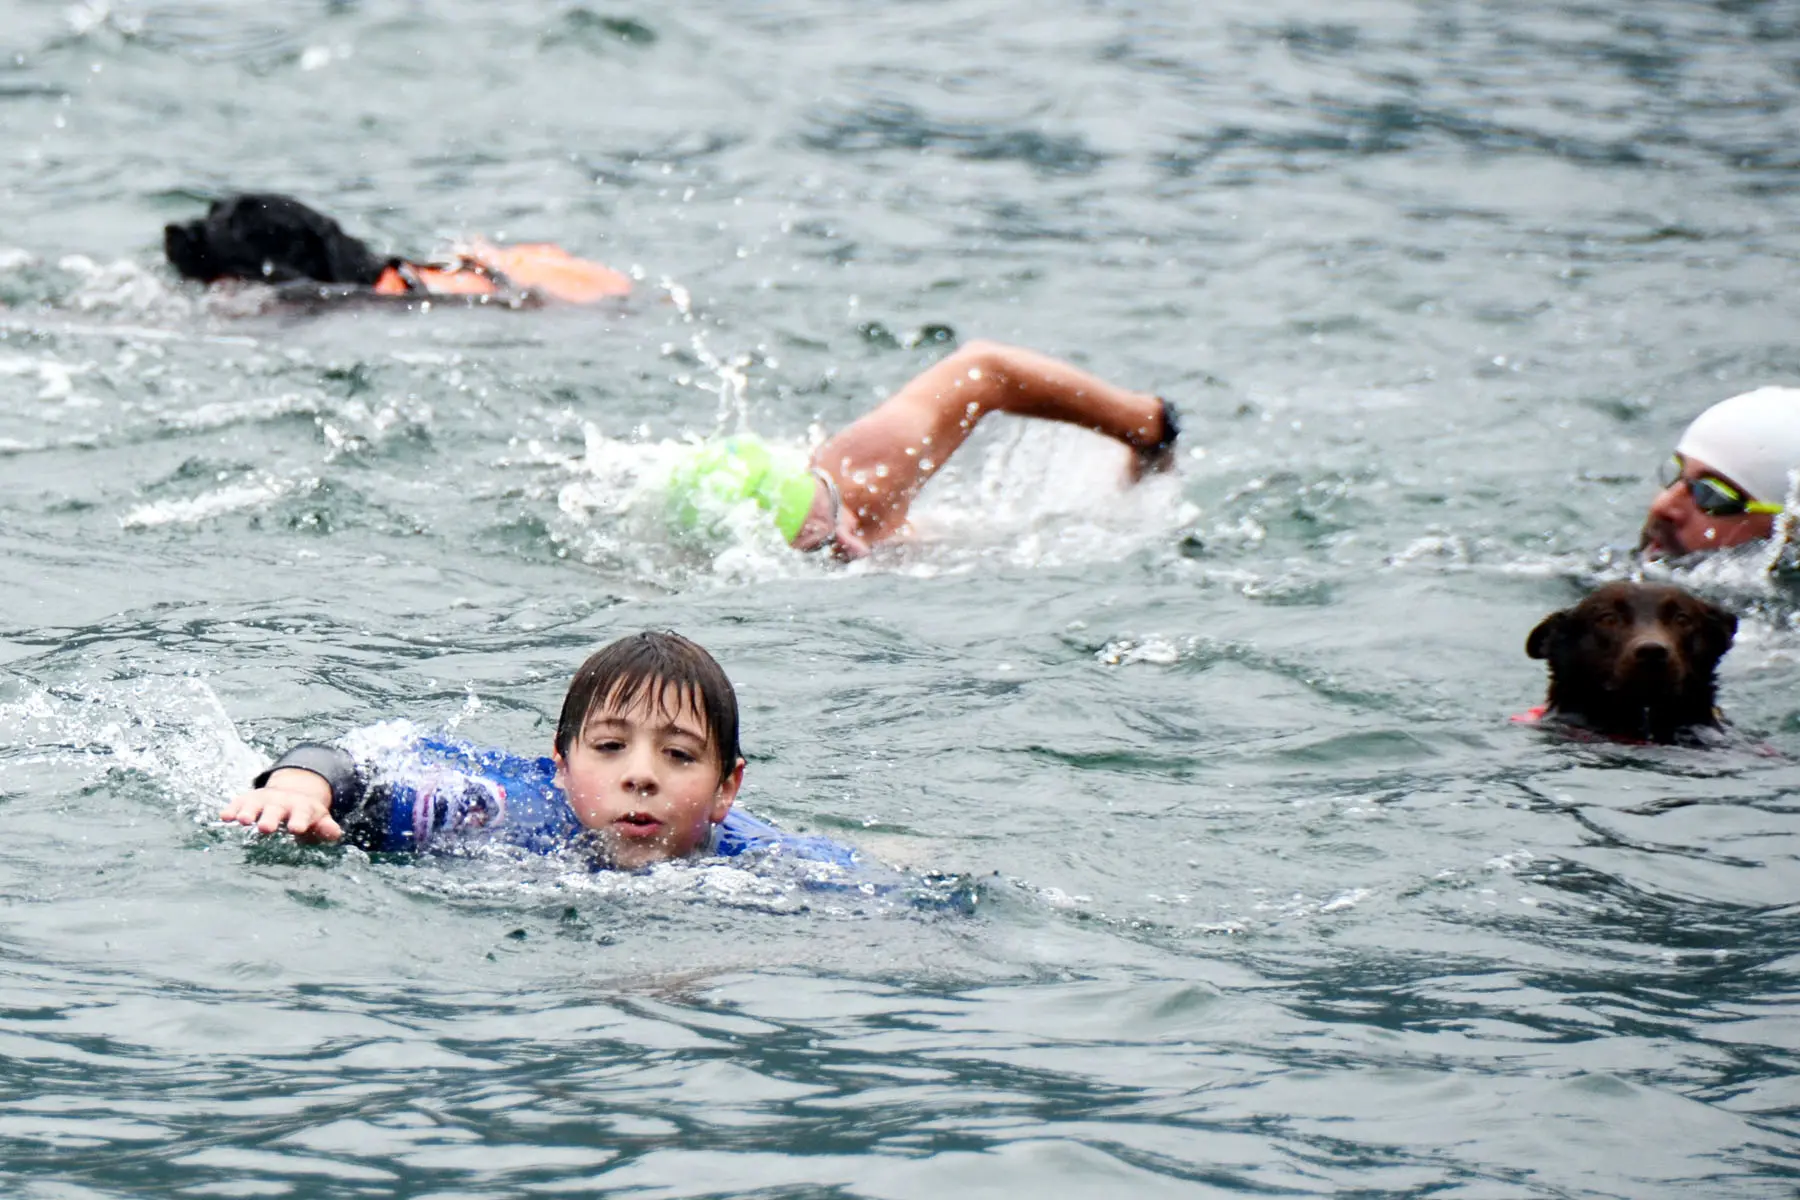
719,476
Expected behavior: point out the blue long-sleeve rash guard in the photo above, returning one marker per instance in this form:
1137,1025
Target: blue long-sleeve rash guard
396,790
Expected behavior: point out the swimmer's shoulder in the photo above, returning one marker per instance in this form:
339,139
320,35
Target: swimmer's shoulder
744,832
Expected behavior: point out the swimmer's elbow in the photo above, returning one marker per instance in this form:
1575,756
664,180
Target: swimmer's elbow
985,351
991,358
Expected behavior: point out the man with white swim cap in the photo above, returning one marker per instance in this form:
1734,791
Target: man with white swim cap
1728,477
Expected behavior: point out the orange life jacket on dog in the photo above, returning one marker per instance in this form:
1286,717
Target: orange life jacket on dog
535,269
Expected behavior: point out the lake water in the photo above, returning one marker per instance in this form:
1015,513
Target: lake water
1269,896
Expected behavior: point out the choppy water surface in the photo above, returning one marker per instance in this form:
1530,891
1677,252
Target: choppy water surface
1270,896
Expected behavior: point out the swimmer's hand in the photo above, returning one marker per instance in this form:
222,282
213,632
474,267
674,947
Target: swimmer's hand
299,798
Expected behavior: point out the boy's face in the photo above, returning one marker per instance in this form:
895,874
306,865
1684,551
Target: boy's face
646,778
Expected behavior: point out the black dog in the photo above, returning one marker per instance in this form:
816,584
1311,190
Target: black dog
272,238
1635,660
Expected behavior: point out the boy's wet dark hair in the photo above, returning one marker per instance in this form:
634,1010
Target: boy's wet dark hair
668,668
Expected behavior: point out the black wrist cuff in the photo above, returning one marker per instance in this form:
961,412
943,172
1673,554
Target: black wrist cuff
1171,429
329,763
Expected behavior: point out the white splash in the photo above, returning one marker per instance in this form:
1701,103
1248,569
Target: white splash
204,507
1345,900
224,413
1153,649
118,286
56,379
172,728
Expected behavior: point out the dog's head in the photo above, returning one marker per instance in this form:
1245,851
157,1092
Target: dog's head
271,238
1635,659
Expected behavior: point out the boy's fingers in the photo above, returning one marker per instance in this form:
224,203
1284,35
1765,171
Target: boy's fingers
274,812
267,808
241,807
308,818
320,829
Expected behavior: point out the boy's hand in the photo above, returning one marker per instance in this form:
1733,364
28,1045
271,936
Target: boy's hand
300,798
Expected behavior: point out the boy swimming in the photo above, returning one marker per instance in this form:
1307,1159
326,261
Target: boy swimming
645,768
858,487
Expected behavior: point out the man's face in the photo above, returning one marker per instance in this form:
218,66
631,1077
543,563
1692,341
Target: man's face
1675,526
848,545
646,779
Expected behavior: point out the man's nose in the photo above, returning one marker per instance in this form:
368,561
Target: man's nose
1672,503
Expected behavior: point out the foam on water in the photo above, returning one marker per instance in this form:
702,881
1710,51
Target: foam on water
774,886
223,414
121,286
56,379
172,729
242,497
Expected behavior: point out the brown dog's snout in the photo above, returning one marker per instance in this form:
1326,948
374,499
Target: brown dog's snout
1651,656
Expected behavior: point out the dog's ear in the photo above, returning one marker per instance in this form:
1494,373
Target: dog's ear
1537,642
1718,627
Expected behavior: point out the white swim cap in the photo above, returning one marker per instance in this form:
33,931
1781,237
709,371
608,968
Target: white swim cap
1753,439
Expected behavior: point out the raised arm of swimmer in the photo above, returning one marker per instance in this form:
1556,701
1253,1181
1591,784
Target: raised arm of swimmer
881,461
859,486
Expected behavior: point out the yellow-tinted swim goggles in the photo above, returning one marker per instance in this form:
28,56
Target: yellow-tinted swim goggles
1712,495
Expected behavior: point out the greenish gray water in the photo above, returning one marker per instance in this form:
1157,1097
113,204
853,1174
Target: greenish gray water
1272,898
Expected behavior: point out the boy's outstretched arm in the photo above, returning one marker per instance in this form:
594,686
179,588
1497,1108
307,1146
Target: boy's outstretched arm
294,796
303,789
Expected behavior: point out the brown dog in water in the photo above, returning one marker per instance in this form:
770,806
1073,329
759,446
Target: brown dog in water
1634,660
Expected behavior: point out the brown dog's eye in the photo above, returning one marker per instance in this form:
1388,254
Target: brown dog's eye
1681,620
1607,620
